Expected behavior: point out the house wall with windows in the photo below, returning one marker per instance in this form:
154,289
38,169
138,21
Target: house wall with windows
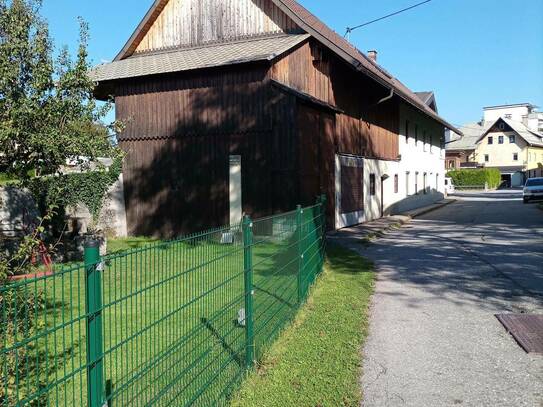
500,149
422,157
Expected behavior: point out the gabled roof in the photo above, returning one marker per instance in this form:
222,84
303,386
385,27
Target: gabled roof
472,134
211,55
531,137
320,31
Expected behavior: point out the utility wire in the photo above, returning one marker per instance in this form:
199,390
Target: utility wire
351,29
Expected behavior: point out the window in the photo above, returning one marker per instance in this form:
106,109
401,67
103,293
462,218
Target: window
500,140
515,157
407,131
512,139
396,184
452,164
501,126
437,182
372,184
407,183
487,158
425,183
491,140
417,183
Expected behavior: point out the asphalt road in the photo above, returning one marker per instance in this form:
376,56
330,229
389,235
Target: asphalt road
434,339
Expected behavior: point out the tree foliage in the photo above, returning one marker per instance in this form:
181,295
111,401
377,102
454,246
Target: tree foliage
48,113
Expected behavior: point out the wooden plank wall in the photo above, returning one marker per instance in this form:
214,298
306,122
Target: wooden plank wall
181,130
193,22
363,129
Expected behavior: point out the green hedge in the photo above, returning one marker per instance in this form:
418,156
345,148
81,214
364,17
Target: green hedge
474,177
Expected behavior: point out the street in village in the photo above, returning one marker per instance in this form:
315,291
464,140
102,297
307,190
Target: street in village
434,338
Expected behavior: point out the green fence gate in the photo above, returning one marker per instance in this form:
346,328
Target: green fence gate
175,323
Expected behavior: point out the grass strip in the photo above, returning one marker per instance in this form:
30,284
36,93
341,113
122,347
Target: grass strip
317,359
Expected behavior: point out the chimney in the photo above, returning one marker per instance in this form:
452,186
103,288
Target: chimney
372,55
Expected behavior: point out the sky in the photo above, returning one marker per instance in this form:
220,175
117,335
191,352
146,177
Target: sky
471,53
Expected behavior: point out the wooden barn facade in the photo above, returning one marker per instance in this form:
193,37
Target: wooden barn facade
235,106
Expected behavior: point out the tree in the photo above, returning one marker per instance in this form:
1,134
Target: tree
48,113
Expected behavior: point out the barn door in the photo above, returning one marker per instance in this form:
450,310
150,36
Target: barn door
349,190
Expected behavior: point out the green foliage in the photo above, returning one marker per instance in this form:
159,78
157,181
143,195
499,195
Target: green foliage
48,113
88,188
476,177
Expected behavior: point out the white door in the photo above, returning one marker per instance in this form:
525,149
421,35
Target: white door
236,211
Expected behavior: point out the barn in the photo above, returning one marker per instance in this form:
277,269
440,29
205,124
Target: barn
254,106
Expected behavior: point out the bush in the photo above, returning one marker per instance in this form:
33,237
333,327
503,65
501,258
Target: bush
476,177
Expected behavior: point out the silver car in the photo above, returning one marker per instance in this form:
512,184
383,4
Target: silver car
533,189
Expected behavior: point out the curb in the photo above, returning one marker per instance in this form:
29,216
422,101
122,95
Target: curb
431,209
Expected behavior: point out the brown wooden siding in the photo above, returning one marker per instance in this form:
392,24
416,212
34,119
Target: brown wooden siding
194,22
180,132
364,129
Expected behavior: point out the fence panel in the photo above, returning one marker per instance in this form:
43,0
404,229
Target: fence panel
167,324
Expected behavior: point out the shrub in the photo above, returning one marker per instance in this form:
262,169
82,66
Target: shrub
476,177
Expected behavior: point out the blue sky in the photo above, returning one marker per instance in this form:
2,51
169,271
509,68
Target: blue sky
472,53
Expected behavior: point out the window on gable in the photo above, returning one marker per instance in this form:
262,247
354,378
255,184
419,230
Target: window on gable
500,140
501,126
512,139
490,140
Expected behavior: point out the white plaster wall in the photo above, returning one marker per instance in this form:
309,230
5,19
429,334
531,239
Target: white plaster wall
517,113
422,158
501,155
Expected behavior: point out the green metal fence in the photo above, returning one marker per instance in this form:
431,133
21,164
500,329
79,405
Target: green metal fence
173,323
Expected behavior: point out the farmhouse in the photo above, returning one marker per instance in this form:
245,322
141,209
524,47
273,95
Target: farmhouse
254,106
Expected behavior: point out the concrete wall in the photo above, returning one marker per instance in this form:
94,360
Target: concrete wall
112,219
17,211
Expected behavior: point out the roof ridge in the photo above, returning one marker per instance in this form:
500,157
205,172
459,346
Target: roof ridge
234,40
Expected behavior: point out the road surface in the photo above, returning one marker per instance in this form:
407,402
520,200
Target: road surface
434,339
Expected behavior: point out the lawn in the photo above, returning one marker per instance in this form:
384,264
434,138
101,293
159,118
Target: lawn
170,317
316,362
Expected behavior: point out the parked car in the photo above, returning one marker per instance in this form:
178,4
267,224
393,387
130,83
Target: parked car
533,189
449,186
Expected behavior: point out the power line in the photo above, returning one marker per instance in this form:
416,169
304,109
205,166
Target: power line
351,29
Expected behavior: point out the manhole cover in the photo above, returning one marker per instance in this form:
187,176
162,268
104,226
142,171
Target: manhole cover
526,329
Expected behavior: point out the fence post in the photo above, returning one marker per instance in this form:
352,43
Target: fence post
93,309
247,228
299,236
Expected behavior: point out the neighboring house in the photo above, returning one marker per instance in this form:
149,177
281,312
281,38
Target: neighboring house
254,106
460,151
508,138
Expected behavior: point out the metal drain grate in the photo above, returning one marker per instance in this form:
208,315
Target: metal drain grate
526,329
